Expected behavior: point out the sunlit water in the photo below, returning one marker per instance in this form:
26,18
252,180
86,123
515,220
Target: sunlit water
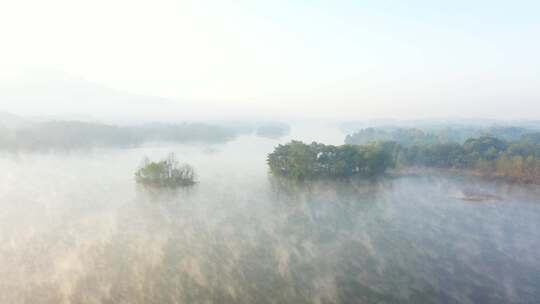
74,228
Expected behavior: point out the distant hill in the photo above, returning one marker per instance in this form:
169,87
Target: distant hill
50,96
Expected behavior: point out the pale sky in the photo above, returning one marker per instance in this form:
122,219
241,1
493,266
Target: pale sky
354,59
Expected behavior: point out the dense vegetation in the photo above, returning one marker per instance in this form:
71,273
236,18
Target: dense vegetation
508,152
301,161
486,155
517,159
165,173
441,135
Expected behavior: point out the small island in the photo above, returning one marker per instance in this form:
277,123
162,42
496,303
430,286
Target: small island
165,173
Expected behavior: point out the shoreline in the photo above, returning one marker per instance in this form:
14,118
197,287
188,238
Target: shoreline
415,170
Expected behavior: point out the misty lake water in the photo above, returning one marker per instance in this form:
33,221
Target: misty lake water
75,228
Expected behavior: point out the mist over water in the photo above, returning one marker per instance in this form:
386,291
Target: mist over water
75,228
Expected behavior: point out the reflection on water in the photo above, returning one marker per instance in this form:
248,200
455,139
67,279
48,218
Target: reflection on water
74,228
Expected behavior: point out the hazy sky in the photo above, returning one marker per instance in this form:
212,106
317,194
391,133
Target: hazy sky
316,58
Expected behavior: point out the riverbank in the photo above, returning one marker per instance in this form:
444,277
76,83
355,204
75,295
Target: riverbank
414,170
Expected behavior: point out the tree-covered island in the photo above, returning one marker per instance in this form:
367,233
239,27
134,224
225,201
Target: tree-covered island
165,173
301,161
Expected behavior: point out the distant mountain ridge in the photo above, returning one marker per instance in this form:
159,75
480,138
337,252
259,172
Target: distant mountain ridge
64,97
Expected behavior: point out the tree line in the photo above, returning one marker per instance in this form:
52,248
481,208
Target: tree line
517,160
75,134
508,152
437,135
488,156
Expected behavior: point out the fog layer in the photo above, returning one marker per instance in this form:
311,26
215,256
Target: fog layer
76,229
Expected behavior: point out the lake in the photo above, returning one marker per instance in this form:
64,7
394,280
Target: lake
75,228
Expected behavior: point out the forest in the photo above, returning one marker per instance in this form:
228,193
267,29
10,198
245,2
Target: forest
486,156
511,153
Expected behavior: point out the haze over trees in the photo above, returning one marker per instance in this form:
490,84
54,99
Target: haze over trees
76,134
435,134
273,131
165,173
488,156
512,153
20,134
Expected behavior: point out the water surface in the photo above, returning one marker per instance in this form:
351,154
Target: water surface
74,228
